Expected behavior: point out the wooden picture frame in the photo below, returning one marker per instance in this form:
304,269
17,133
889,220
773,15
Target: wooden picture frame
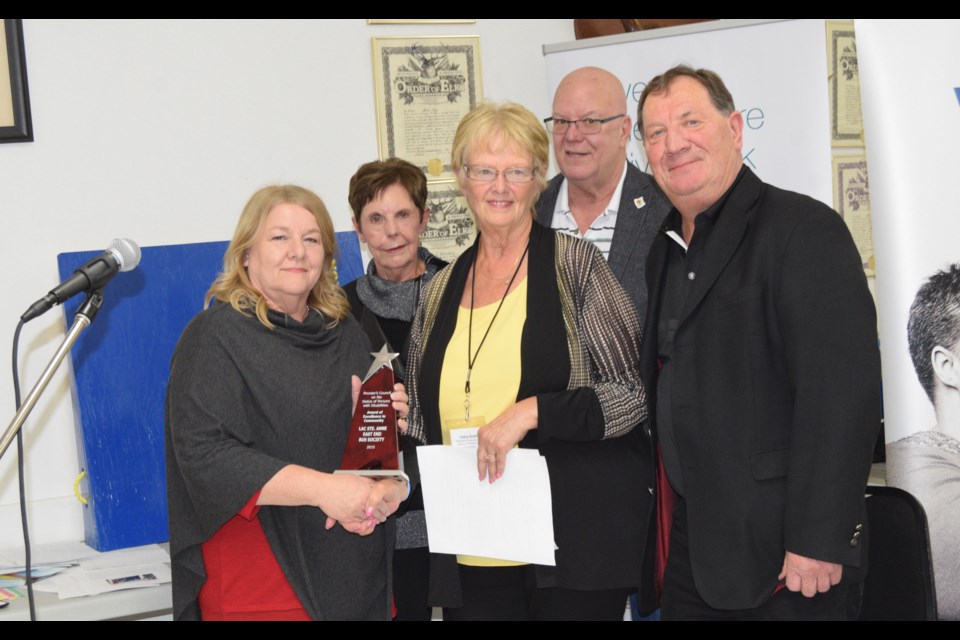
16,124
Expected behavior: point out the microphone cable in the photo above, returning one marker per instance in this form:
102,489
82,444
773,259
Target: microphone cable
23,497
126,253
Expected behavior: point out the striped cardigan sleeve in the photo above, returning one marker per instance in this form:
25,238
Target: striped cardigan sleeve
603,337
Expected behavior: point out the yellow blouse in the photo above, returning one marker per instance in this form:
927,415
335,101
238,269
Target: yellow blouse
495,380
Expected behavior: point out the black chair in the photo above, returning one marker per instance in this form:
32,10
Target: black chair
899,584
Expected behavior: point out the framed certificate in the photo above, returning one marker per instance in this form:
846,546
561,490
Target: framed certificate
423,87
851,199
451,227
846,121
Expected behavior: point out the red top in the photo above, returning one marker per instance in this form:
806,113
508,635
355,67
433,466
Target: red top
244,580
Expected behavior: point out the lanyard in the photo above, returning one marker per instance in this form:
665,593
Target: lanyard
473,360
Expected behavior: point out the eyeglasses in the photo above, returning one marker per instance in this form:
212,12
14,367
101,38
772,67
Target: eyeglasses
585,125
514,175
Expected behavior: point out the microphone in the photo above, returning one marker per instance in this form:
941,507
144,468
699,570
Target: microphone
123,254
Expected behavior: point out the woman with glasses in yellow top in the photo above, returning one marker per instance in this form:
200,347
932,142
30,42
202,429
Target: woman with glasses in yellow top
529,338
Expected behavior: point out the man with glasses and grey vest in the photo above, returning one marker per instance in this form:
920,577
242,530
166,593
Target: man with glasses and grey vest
598,195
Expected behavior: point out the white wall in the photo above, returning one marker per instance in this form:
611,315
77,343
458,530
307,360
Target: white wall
160,131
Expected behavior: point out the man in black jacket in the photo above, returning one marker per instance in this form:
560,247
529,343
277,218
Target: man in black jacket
766,401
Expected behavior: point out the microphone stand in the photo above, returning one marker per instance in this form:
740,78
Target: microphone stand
85,315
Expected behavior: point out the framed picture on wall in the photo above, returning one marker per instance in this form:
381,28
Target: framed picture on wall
15,122
846,120
451,227
423,87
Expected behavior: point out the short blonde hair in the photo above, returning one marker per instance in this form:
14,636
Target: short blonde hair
507,122
233,285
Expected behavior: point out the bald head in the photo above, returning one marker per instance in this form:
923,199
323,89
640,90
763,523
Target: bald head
606,88
594,160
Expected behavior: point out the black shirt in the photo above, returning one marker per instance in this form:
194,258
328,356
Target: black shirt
683,264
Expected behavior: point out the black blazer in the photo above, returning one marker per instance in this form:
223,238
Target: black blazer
776,394
637,224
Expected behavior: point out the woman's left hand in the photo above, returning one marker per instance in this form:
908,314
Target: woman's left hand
496,439
401,402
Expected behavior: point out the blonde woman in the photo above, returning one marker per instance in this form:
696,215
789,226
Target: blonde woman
529,338
257,414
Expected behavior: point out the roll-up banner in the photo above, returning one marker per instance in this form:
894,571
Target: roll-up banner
776,71
910,88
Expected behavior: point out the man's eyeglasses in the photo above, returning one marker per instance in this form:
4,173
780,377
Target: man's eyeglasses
515,175
585,125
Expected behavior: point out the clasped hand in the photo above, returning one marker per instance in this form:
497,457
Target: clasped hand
360,503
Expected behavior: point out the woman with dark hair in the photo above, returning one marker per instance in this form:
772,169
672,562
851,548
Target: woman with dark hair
389,202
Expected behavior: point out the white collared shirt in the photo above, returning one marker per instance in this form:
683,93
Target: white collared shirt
600,232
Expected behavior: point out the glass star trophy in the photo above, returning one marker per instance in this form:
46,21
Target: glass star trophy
373,444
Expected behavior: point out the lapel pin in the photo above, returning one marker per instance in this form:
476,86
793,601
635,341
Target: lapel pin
639,202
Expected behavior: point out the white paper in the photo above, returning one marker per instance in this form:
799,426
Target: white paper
511,519
69,553
77,582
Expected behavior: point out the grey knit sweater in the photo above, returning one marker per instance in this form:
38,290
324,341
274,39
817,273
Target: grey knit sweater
244,401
